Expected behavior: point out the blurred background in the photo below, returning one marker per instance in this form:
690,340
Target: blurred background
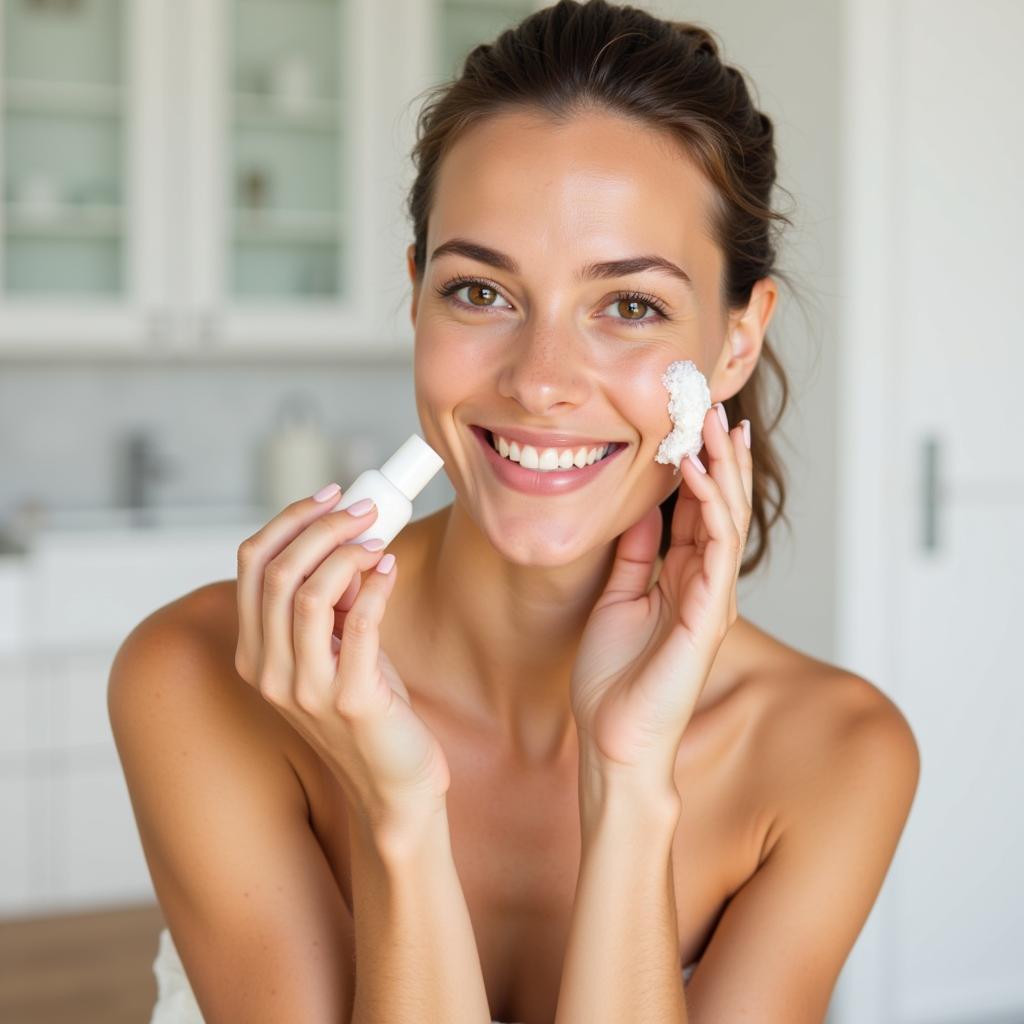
204,314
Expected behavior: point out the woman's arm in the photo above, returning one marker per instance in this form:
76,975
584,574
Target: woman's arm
622,959
416,955
784,936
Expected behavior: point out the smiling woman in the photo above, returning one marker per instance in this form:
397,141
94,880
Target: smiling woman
549,766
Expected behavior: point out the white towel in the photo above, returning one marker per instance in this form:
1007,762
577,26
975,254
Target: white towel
175,1001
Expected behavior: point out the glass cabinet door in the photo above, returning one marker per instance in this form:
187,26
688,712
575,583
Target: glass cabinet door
279,109
70,103
64,131
287,176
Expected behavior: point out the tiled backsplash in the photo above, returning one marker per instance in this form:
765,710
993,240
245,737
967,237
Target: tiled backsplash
61,425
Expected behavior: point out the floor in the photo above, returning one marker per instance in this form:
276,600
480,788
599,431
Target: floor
90,968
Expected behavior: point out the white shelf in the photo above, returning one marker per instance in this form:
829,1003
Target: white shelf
65,221
256,110
38,96
287,226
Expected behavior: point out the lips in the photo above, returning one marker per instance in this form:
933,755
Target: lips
536,482
540,440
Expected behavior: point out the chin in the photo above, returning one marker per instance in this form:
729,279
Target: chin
538,541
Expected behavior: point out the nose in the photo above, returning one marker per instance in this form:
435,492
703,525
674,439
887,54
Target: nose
545,370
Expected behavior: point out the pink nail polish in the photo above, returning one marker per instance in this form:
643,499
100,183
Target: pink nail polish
746,432
360,508
374,544
722,416
384,565
700,465
328,492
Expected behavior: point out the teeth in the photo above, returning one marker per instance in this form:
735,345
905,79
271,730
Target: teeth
548,460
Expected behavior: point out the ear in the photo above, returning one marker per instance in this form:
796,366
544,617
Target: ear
410,257
744,338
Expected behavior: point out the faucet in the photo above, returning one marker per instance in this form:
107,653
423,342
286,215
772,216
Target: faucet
140,465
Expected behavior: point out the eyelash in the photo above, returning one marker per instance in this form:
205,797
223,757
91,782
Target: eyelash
455,284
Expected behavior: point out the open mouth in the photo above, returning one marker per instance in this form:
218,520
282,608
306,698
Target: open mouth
545,471
550,460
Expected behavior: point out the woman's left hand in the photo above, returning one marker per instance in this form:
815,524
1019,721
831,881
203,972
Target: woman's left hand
645,654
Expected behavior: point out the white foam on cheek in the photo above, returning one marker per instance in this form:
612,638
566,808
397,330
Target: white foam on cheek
688,403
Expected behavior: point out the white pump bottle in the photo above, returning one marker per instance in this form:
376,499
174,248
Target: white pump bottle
392,488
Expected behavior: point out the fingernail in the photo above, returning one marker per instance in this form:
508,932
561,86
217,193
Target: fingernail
374,544
384,565
325,493
746,432
700,465
722,416
360,508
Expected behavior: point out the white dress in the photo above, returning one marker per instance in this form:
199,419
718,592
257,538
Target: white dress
175,1001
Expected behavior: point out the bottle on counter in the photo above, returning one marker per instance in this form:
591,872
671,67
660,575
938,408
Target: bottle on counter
297,457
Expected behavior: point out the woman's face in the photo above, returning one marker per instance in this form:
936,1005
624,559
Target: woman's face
543,347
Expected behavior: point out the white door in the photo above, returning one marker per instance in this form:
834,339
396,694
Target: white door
933,362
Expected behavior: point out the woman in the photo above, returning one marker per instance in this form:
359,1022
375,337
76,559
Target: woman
575,770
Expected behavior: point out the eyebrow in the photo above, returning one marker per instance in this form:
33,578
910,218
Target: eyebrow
588,272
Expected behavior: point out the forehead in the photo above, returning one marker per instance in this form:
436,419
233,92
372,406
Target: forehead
596,183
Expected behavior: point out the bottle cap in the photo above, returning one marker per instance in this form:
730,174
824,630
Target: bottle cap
413,466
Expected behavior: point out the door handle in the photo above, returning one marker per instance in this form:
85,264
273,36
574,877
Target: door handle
931,492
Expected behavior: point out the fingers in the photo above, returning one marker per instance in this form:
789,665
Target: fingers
724,509
360,638
635,553
254,555
287,572
312,637
728,458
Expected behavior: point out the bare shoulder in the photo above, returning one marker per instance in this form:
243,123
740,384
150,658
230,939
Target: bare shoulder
179,661
822,730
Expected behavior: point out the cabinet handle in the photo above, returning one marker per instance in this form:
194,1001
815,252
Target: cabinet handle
931,493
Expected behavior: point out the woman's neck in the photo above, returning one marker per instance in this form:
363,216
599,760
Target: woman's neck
495,640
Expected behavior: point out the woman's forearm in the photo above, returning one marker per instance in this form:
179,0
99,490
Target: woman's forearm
416,954
622,957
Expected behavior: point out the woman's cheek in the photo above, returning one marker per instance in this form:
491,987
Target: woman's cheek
640,395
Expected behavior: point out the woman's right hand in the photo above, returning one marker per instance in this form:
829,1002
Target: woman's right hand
298,579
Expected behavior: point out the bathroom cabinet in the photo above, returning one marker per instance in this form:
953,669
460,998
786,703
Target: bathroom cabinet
213,177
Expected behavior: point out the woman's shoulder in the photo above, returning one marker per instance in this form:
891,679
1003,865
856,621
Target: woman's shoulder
199,632
816,721
792,682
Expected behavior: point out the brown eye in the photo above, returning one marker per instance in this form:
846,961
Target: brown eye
488,294
450,291
632,306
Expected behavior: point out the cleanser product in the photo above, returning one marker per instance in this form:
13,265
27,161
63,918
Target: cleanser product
392,488
689,401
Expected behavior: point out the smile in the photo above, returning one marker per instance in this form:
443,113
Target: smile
531,470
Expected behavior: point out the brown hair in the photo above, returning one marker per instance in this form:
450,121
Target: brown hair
667,75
